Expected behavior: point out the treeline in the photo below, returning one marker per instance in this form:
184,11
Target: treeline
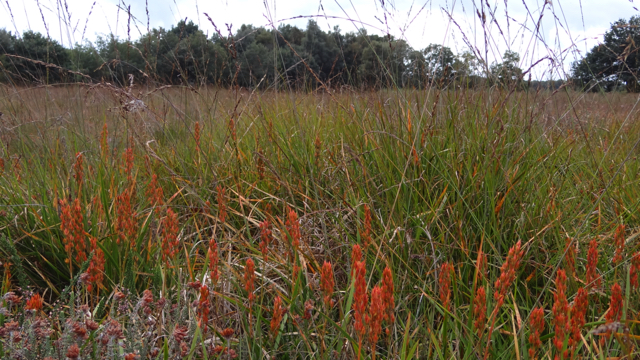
288,57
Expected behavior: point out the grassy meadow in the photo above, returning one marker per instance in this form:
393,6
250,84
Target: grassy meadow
206,223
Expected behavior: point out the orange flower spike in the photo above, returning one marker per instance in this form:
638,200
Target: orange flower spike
444,281
327,283
154,193
502,284
376,314
592,277
360,300
578,313
170,231
387,293
34,303
213,261
276,319
635,268
126,224
104,145
196,135
615,306
293,227
560,312
619,242
128,159
203,307
249,280
266,238
356,256
66,224
78,169
508,273
72,226
536,324
482,264
96,266
480,310
570,256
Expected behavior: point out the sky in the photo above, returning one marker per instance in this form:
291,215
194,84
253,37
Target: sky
567,29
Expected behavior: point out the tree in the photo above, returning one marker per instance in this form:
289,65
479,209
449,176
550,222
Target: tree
439,62
507,73
35,46
383,63
416,74
468,69
614,64
322,52
6,47
6,42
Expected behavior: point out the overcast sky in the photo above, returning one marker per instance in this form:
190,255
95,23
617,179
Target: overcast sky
566,26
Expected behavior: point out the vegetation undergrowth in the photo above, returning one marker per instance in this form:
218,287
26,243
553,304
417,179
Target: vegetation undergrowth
209,223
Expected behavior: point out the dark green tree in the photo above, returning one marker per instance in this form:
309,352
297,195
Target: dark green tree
35,46
6,47
323,53
614,64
